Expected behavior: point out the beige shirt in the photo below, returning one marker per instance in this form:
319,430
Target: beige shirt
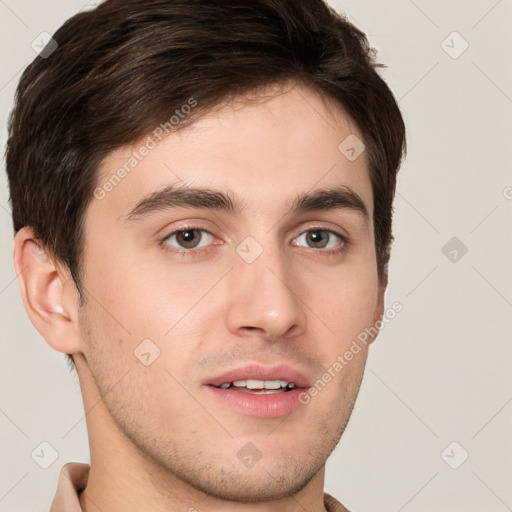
73,479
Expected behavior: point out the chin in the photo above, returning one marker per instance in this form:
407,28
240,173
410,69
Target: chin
256,484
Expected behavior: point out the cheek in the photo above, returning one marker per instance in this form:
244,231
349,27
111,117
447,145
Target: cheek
345,303
135,299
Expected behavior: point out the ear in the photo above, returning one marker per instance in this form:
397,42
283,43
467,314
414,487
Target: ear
379,310
49,293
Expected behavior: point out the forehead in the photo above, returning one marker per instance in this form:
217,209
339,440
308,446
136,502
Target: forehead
267,148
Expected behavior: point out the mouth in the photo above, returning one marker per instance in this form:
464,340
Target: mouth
259,391
254,378
259,387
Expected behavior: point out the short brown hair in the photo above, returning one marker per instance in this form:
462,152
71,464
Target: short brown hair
123,68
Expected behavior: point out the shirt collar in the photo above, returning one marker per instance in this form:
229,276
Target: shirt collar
72,480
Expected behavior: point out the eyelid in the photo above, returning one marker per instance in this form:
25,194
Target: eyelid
332,252
187,227
343,238
322,228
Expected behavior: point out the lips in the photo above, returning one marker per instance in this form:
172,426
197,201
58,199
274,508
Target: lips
258,403
260,372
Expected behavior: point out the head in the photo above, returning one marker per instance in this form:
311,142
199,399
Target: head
235,113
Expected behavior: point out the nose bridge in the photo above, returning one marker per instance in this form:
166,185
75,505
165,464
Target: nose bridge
264,297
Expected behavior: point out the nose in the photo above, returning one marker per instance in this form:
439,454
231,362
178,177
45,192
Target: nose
266,298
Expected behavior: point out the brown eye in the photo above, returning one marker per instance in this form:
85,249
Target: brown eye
321,239
189,238
317,239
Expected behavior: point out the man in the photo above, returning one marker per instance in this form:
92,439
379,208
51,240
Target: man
202,199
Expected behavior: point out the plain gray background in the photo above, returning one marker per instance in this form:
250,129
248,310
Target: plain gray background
439,373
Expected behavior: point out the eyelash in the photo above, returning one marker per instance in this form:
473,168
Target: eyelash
191,252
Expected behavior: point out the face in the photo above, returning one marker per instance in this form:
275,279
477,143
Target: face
183,292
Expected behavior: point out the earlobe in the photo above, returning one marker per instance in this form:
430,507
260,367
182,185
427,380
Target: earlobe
43,292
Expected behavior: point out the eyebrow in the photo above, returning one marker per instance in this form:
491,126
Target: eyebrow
174,196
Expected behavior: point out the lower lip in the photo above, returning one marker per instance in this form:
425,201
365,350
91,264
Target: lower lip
259,405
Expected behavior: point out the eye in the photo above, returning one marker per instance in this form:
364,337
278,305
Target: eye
322,239
189,238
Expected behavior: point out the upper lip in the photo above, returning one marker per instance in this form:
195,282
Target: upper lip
260,372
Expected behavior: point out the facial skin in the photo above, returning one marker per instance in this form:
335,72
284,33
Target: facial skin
158,440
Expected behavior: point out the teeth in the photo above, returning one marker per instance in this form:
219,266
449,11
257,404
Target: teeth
259,384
